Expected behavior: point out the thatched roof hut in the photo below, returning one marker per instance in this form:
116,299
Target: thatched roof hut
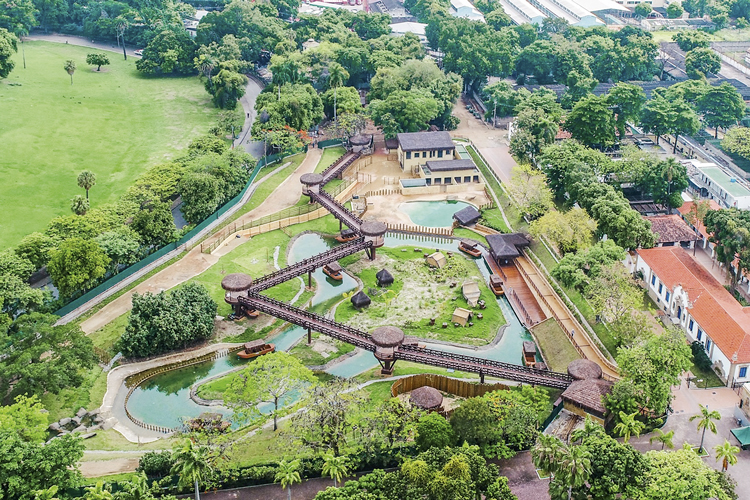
504,247
360,300
426,397
387,336
461,316
384,278
584,369
236,282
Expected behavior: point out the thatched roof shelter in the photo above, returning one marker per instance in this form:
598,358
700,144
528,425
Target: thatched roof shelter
587,395
467,216
311,179
360,300
236,282
387,336
334,267
255,343
384,277
529,348
436,259
584,369
360,140
426,397
506,246
469,243
373,228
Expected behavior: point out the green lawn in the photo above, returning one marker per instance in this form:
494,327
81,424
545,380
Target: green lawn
557,349
115,123
419,294
270,183
88,395
329,156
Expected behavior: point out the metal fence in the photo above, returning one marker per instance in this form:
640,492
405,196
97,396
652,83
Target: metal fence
125,273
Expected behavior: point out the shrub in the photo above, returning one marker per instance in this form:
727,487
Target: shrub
155,463
701,359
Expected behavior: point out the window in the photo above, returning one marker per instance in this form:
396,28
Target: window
666,299
429,181
440,153
408,155
653,280
691,325
743,372
700,333
416,154
476,178
467,178
447,180
432,154
438,180
679,312
457,179
660,288
708,344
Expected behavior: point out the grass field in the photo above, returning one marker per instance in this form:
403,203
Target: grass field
115,123
557,349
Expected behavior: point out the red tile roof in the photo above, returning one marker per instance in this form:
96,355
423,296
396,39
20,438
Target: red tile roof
688,206
670,229
713,307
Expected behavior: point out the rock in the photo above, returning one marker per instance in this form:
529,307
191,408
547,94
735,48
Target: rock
89,435
95,413
76,420
54,427
81,413
94,428
98,419
108,424
80,428
65,421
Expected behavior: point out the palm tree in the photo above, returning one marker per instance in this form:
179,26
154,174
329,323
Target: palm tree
87,180
48,494
79,205
336,467
574,468
99,492
193,464
589,429
628,426
70,67
136,489
546,452
336,77
706,422
727,453
665,438
287,475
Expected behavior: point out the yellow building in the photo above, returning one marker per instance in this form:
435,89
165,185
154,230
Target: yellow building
416,148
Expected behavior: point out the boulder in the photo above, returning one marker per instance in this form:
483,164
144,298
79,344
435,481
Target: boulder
98,419
80,428
65,421
76,420
81,413
95,413
89,435
54,427
95,428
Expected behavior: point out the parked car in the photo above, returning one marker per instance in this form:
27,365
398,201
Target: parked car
138,52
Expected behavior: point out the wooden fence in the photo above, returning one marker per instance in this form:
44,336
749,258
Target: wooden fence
460,388
383,192
408,228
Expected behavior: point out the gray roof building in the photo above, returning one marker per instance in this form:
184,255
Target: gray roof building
425,141
449,165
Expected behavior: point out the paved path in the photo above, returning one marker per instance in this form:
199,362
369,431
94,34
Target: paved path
196,262
80,41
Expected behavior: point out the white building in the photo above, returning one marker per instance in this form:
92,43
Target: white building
716,184
696,302
400,29
464,8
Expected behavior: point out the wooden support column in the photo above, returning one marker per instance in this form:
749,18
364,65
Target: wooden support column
309,279
309,336
481,376
341,225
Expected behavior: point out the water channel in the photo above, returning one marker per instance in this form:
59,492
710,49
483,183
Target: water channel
165,398
432,213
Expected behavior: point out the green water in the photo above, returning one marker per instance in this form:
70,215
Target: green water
432,213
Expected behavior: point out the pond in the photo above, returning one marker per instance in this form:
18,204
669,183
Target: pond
165,398
432,213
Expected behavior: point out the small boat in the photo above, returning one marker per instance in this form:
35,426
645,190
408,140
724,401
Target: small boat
529,353
255,348
346,235
333,270
470,247
496,285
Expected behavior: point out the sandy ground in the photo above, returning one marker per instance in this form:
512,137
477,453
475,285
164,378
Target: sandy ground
98,468
196,262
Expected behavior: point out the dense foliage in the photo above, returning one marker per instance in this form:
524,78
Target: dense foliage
168,320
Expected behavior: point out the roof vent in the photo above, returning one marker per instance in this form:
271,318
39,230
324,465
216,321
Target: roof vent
732,180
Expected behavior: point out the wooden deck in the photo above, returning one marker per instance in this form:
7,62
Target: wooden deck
520,296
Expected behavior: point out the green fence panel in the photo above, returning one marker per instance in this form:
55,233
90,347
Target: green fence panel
329,143
262,163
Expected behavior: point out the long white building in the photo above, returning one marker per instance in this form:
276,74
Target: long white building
576,12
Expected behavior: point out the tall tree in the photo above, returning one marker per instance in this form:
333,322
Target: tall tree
628,426
227,87
79,205
700,62
337,75
529,189
70,68
76,265
727,453
8,47
681,474
336,467
574,468
269,379
666,181
628,101
592,122
98,60
193,463
706,422
665,438
86,180
730,230
287,474
547,452
721,106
